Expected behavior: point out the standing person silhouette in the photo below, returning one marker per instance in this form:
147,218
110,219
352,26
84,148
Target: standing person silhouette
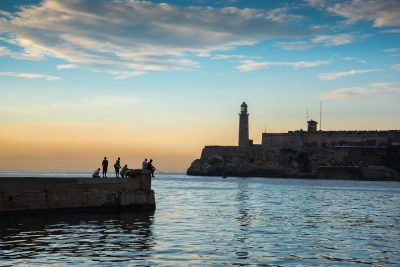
144,164
117,166
105,167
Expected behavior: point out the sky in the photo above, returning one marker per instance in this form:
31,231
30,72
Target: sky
80,79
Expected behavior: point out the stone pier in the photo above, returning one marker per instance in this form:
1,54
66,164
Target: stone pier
28,194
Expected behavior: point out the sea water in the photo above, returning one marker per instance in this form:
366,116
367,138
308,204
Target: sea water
211,221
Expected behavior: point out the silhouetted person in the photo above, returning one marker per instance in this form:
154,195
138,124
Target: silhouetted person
96,173
129,173
105,167
117,166
151,167
144,164
123,171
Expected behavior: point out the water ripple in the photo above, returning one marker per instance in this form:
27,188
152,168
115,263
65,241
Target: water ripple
219,222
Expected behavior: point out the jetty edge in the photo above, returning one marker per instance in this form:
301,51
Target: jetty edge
24,195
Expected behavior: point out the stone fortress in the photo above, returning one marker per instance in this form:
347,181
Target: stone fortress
311,153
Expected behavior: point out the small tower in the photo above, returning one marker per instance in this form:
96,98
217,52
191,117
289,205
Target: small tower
312,126
243,126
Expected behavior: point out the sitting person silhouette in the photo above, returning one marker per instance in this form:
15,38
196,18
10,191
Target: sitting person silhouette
96,173
151,167
123,171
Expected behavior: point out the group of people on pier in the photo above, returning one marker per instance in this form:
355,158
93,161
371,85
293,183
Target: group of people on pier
123,172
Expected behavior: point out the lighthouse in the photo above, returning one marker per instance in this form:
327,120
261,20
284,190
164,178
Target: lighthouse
243,126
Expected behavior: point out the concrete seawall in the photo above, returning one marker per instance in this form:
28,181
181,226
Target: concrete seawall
25,195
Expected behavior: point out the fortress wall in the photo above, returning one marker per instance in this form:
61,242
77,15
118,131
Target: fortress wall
350,137
279,141
251,152
297,139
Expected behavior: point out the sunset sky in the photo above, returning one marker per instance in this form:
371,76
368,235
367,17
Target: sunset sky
80,80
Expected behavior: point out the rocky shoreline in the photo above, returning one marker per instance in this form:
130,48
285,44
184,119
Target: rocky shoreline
286,168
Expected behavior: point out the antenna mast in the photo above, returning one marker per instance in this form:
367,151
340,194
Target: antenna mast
307,114
320,115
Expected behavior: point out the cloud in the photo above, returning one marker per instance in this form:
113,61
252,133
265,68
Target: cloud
382,13
396,67
99,102
334,40
282,15
66,66
222,56
383,89
131,38
30,76
319,40
251,65
26,55
299,45
391,31
337,75
5,14
392,50
316,3
360,60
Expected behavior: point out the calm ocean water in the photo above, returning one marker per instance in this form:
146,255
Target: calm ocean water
205,221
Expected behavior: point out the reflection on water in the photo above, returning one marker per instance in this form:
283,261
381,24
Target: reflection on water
243,220
77,238
217,222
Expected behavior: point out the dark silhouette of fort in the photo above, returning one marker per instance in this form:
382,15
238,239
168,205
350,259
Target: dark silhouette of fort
302,152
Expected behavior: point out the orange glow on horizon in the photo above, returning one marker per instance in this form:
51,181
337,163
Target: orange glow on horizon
81,147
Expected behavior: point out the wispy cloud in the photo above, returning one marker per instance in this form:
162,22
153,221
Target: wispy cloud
131,38
381,13
316,3
396,67
30,76
391,31
298,45
66,66
337,75
319,40
222,56
383,89
99,102
251,65
334,40
28,54
392,50
283,15
360,60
